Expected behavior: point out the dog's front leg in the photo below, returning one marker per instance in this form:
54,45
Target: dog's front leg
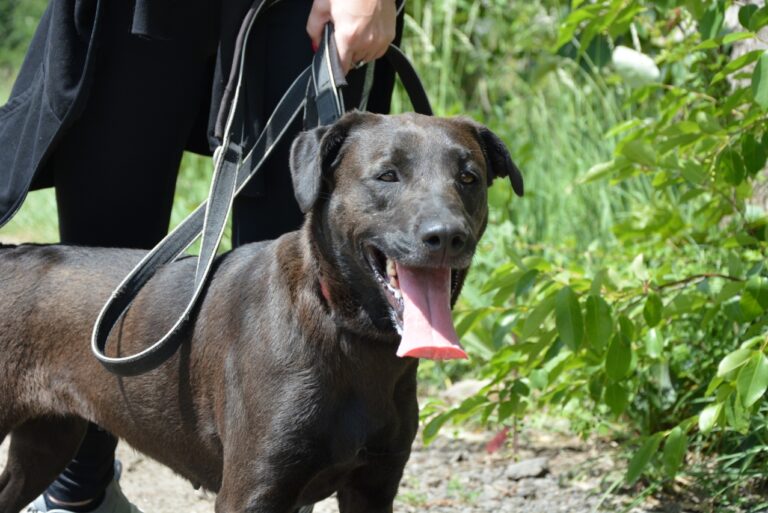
372,488
244,500
359,501
254,486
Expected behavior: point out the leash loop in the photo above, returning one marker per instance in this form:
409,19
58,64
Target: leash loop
317,91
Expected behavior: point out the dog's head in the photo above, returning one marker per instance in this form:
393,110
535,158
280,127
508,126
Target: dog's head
401,202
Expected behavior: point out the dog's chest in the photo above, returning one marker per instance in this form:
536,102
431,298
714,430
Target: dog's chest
360,433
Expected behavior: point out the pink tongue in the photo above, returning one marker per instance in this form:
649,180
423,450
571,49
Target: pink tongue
428,330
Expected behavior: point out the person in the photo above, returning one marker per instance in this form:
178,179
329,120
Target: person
110,95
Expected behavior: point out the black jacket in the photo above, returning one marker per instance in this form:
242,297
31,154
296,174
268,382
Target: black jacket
55,77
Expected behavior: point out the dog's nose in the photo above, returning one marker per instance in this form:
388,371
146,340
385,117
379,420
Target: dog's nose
443,237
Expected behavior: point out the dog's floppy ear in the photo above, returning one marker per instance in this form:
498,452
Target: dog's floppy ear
498,160
313,153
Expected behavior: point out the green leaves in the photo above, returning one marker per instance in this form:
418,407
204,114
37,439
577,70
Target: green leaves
467,408
753,152
712,22
753,18
745,14
628,331
617,398
757,288
675,448
534,320
599,324
641,458
597,172
741,381
737,64
753,379
708,417
619,358
653,310
434,425
731,166
760,81
733,361
570,324
639,151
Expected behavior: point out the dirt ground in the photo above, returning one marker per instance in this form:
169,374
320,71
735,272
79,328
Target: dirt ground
550,472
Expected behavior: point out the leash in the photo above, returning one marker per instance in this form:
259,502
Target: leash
318,92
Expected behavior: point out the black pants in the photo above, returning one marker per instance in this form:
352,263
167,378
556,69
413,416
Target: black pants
115,170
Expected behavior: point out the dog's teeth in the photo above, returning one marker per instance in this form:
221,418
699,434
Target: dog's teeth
391,270
392,274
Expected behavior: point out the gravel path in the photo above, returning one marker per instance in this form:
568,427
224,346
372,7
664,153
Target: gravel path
550,473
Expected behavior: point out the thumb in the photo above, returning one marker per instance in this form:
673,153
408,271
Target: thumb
318,17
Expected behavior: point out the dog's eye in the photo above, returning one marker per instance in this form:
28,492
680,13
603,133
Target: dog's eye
388,176
467,177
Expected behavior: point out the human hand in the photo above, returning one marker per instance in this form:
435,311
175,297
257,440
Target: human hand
363,29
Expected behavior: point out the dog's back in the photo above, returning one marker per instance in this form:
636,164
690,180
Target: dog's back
41,285
42,301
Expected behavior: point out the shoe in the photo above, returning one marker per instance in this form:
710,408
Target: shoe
114,500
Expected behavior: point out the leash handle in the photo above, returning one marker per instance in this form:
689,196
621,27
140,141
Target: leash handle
324,93
317,91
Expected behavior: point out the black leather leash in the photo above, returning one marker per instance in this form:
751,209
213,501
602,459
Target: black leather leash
317,91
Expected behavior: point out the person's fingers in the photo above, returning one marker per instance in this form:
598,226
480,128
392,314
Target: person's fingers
318,17
363,29
351,58
383,48
345,52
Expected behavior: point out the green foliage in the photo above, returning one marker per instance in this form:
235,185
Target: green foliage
18,20
659,330
489,61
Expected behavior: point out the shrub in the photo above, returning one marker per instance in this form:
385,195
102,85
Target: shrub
659,330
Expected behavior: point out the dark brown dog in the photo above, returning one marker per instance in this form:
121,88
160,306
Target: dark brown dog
289,387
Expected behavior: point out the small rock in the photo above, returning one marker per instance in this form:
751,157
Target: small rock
458,458
535,467
489,493
527,490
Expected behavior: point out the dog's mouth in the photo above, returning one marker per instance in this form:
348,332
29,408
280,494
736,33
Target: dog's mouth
420,306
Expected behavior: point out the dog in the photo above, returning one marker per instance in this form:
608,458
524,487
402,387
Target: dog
297,378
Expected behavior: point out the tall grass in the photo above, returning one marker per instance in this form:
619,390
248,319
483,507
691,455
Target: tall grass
18,20
488,60
491,60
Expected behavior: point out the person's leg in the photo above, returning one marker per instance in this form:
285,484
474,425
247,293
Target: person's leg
281,50
115,173
115,170
81,485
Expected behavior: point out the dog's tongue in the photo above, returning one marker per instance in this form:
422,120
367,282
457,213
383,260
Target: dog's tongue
428,330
